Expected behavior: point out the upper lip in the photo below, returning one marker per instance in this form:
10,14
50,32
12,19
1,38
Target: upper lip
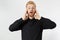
30,12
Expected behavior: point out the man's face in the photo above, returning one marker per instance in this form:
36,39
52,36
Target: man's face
31,10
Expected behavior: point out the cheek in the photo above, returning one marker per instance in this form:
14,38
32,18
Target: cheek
28,11
33,13
34,10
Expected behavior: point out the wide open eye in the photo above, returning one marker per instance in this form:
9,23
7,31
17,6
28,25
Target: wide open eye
33,8
29,7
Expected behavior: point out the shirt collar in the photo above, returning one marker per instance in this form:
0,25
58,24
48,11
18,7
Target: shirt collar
30,19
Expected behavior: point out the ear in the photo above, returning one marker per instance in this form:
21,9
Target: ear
26,14
35,14
35,11
26,11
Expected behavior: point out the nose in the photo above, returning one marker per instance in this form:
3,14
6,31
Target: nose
31,9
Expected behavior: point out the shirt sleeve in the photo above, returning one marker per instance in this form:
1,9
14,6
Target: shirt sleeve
48,24
17,25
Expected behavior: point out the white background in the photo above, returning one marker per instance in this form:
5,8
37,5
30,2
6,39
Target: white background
11,10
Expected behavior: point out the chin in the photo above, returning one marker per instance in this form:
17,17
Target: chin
31,15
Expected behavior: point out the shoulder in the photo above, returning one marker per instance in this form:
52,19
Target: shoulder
45,19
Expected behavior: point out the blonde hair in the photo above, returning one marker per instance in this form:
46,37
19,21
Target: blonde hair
30,2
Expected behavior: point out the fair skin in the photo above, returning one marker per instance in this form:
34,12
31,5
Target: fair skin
30,12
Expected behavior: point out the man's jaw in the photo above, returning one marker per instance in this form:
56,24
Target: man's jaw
31,17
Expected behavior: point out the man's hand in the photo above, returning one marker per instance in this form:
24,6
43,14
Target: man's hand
36,16
25,17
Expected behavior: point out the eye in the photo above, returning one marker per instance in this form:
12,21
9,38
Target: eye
28,8
33,8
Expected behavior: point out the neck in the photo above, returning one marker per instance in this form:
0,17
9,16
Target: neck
31,17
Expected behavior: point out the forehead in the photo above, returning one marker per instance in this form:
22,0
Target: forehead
30,5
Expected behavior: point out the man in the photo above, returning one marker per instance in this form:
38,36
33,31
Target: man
31,23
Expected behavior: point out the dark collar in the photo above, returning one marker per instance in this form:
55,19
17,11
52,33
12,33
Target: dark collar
31,19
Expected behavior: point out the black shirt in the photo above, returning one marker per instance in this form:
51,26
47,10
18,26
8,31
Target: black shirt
32,28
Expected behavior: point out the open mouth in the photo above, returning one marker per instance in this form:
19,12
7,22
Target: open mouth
31,12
